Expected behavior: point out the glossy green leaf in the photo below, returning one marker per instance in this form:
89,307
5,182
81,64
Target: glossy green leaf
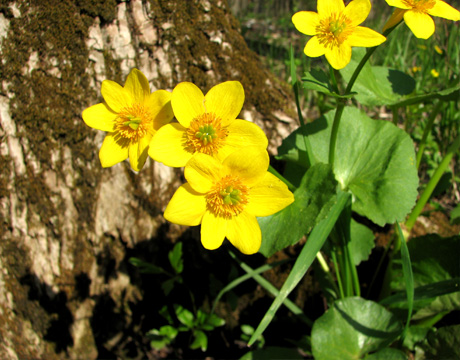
184,316
362,242
175,258
352,328
377,85
434,260
200,340
443,343
377,166
313,199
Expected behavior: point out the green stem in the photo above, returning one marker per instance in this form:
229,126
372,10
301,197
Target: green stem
290,186
295,86
453,148
426,131
338,274
341,104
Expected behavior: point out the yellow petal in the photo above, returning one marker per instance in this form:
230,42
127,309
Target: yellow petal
421,24
159,104
249,164
213,230
268,196
357,11
243,231
401,4
394,19
445,11
225,100
339,56
99,117
242,133
202,171
328,7
314,48
137,85
186,207
187,102
138,152
365,37
113,150
115,96
306,22
167,146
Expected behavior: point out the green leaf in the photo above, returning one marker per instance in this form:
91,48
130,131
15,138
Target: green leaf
375,161
313,199
175,258
434,260
184,316
162,337
352,328
377,85
362,242
272,353
145,267
387,354
455,215
444,343
214,321
318,80
314,244
200,341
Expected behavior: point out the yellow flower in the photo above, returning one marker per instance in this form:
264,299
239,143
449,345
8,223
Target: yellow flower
416,69
416,14
130,115
225,198
335,30
438,49
434,73
207,124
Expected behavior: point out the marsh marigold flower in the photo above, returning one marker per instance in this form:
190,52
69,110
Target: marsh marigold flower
335,30
416,14
130,115
206,124
225,198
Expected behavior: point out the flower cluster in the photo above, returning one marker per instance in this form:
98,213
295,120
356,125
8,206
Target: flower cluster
334,28
225,158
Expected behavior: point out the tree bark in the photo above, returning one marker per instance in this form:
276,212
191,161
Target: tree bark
68,226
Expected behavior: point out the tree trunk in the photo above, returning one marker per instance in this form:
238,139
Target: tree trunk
68,226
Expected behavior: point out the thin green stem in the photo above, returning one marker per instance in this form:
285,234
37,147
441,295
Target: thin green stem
290,186
453,148
427,131
295,86
338,274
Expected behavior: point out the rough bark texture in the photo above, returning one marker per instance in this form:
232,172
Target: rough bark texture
68,226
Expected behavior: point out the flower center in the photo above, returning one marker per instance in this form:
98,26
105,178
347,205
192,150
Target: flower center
205,134
134,122
228,197
333,31
420,5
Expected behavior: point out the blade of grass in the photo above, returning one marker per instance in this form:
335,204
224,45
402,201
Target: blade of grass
245,277
272,290
295,86
408,278
416,211
314,244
